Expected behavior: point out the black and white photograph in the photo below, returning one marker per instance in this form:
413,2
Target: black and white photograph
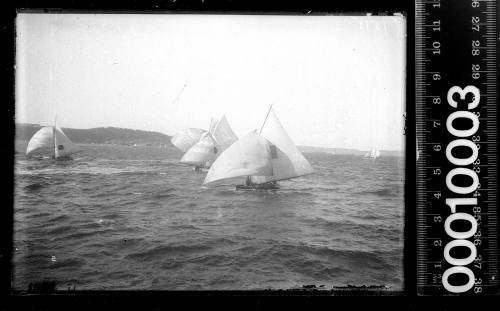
195,152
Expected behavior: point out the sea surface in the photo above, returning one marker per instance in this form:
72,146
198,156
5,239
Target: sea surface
133,218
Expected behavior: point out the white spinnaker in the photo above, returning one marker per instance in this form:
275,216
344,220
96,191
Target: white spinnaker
63,145
202,153
42,142
288,162
186,138
223,134
248,156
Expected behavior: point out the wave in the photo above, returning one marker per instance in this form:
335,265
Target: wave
385,192
79,235
67,263
165,250
183,227
212,260
61,229
333,257
163,195
34,186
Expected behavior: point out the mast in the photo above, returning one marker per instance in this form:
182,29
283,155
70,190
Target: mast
54,136
267,115
260,132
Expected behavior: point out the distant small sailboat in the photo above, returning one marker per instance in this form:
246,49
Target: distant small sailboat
209,145
262,158
372,154
51,141
418,150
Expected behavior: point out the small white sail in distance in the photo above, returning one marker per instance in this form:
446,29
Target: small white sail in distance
267,156
418,150
373,154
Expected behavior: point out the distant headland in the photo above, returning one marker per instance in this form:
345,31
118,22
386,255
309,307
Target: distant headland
101,135
129,137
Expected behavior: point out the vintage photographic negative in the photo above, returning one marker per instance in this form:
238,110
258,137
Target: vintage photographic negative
209,152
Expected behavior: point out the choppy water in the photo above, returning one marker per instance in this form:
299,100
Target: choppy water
122,217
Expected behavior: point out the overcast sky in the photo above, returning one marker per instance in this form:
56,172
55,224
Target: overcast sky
334,81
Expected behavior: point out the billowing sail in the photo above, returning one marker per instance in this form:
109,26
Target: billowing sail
202,153
63,146
288,161
223,134
247,156
42,142
268,156
185,139
45,143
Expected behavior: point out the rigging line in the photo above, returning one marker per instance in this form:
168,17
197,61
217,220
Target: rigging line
267,115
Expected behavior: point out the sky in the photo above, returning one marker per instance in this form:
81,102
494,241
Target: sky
333,81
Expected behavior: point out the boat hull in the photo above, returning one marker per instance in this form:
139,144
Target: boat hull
264,186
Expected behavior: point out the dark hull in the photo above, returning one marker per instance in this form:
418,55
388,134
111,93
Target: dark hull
266,186
63,158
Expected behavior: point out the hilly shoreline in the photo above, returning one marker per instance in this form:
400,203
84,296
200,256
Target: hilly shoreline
101,135
129,137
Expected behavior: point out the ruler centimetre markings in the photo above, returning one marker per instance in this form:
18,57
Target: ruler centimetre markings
456,131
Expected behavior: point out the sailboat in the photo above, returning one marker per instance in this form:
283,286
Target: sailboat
51,141
372,154
210,144
261,158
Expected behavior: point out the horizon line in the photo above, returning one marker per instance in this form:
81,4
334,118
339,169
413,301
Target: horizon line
125,128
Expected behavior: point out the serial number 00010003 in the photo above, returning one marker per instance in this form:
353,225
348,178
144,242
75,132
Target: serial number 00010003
460,238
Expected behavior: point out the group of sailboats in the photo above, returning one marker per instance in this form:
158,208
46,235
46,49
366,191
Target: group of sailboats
51,141
258,160
202,147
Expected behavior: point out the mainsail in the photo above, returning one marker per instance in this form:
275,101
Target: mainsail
266,156
42,142
211,144
202,153
63,146
223,134
247,156
186,138
51,140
